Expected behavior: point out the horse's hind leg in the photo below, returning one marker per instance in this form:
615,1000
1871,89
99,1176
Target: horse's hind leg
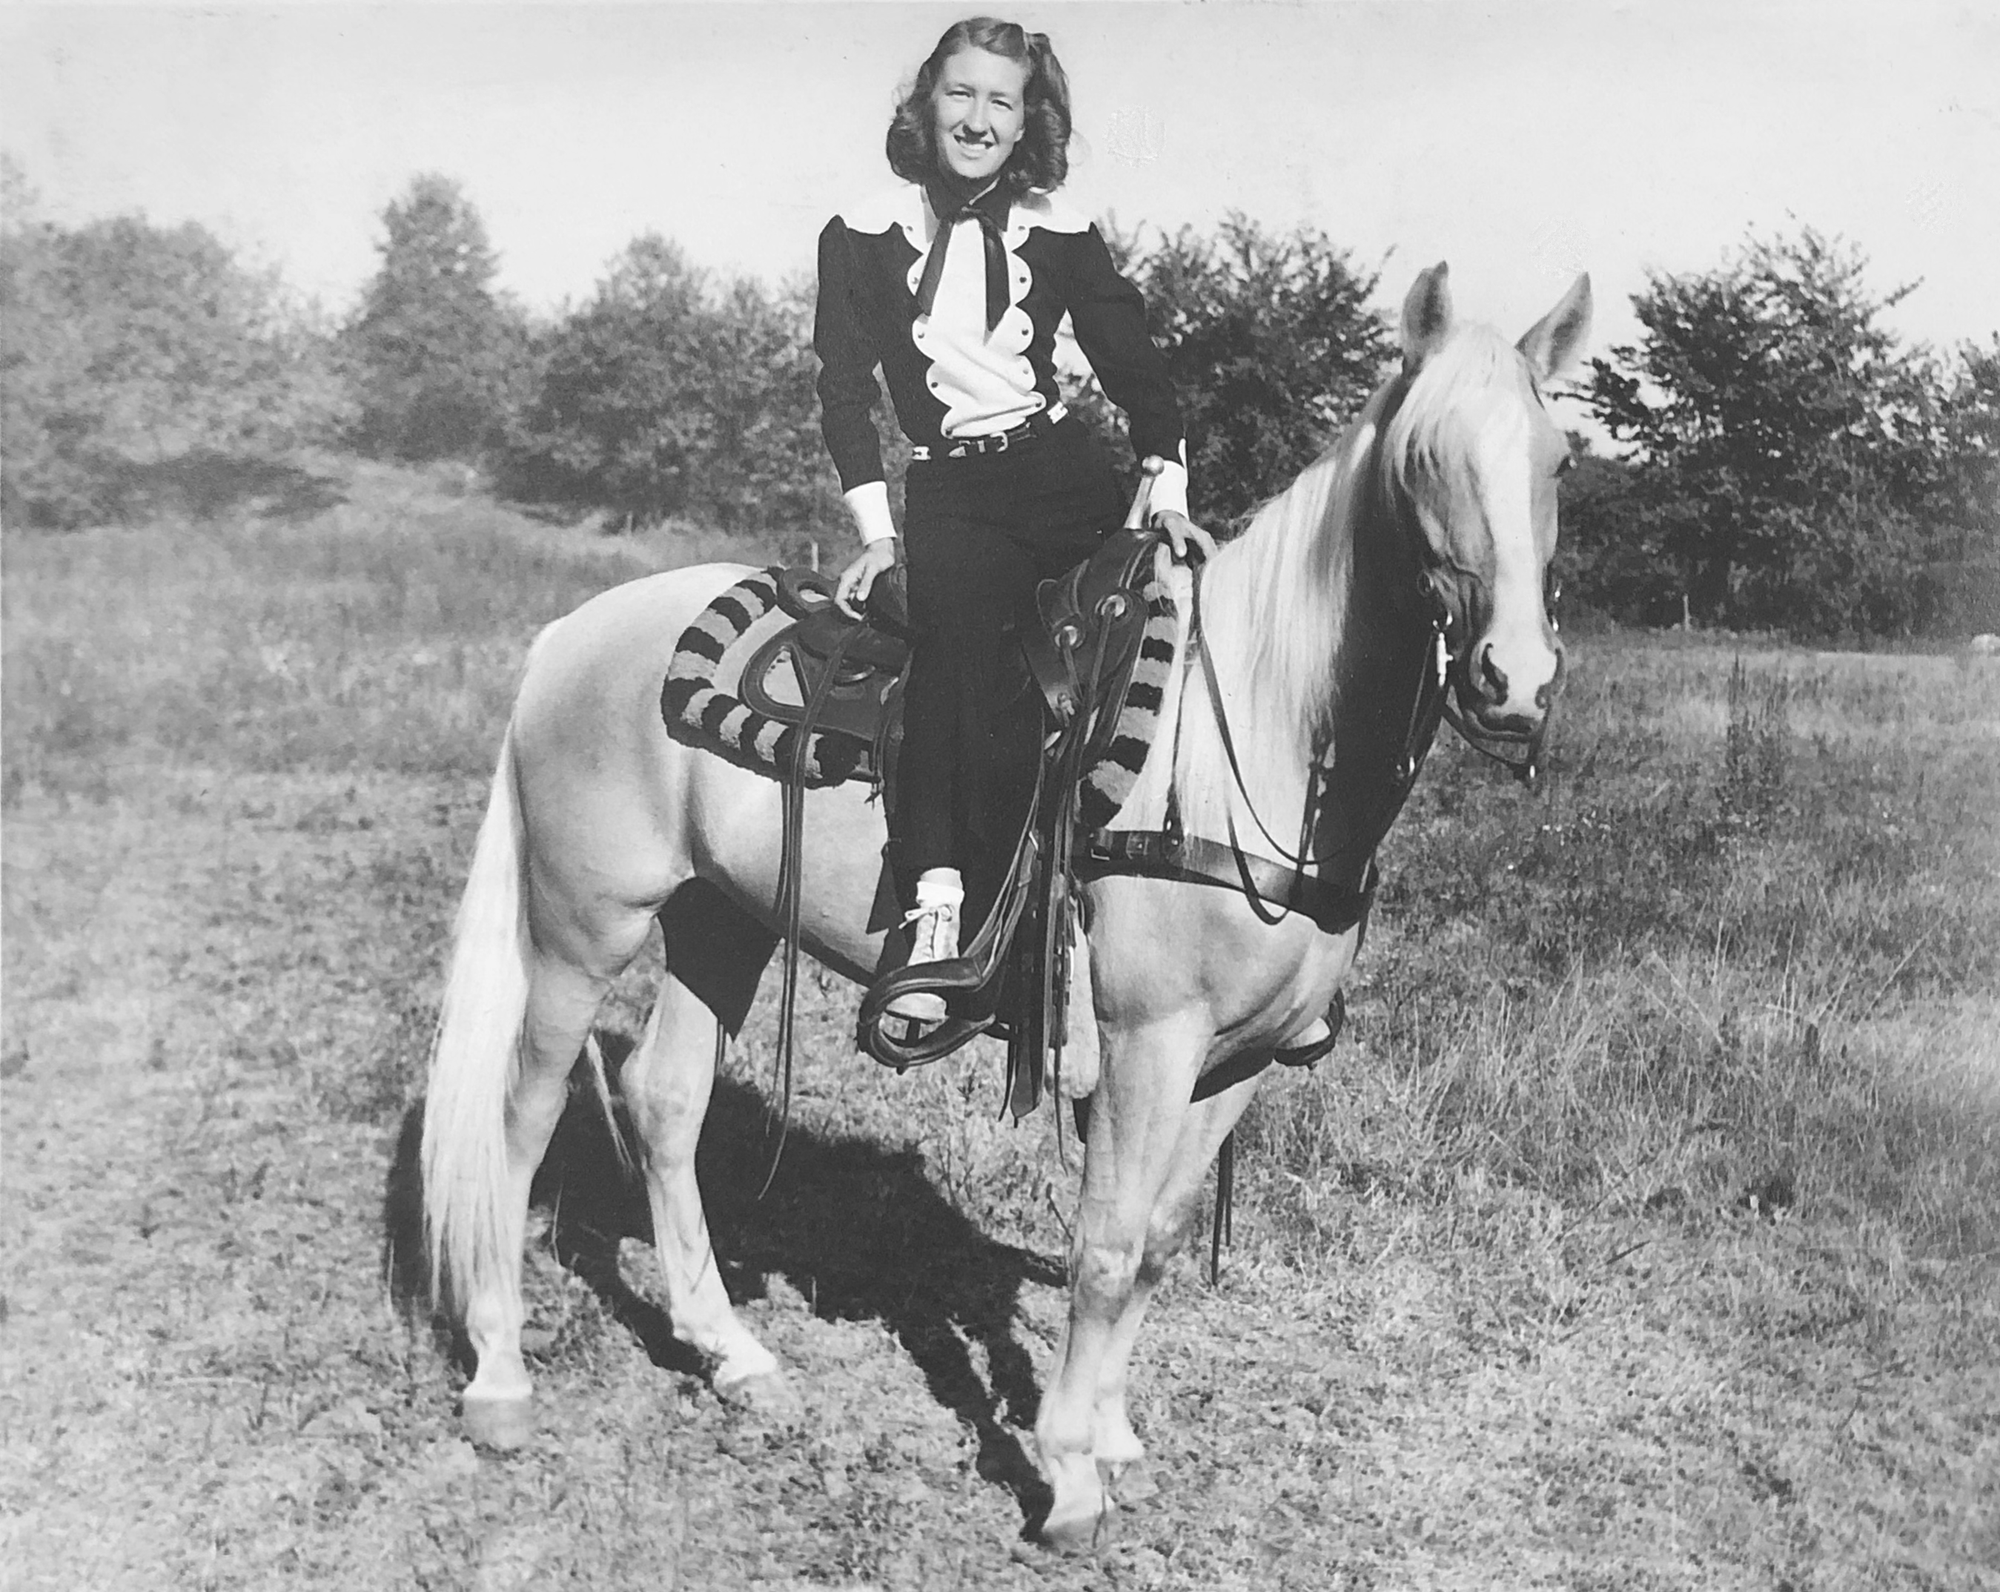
714,956
562,1001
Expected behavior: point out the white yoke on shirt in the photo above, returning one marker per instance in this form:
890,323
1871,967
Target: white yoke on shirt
984,380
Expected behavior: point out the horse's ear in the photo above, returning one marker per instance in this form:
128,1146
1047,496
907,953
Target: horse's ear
1426,315
1555,340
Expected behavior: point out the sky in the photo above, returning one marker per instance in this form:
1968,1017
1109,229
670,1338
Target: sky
1521,141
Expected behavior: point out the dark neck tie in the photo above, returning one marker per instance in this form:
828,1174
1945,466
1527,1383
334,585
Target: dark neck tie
950,209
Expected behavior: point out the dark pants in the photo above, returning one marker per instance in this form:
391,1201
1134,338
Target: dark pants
979,535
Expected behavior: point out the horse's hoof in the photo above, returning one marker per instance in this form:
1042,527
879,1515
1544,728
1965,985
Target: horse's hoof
500,1425
767,1395
1078,1532
1128,1482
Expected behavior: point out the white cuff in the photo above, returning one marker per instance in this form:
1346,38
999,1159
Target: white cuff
868,504
1170,488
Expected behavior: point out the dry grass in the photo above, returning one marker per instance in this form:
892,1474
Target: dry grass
1641,1234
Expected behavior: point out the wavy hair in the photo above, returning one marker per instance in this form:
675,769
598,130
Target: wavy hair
1041,159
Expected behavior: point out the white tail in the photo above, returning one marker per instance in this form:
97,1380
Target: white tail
471,1226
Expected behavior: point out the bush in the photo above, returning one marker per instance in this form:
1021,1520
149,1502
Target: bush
435,355
1792,465
129,350
1271,346
667,397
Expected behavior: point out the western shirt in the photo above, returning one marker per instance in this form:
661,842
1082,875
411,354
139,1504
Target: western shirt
949,377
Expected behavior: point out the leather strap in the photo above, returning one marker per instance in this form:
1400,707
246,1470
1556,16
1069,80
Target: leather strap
1198,645
1334,905
791,860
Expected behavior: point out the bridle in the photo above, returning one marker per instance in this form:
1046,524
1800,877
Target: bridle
1445,672
1517,751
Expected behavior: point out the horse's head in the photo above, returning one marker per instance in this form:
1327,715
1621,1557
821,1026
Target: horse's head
1474,454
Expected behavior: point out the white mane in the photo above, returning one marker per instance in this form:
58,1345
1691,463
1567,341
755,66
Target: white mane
1275,601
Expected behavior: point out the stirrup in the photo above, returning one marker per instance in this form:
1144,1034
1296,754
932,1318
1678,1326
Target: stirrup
1313,1046
917,1005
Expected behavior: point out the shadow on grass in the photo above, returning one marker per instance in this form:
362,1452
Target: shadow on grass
206,484
854,1227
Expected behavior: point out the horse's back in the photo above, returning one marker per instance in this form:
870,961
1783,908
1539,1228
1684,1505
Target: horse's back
627,629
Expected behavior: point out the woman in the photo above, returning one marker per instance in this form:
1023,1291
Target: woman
954,285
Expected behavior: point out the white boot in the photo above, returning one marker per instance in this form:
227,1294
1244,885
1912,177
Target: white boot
933,930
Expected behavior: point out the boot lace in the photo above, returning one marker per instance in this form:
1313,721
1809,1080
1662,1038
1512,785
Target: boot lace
935,936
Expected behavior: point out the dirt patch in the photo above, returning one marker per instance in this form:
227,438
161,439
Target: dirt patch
217,998
1638,1234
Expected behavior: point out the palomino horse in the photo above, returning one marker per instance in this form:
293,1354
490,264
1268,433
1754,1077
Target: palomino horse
1422,538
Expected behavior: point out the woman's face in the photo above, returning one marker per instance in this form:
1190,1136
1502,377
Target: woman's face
979,108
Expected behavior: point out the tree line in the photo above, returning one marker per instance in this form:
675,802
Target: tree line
1771,454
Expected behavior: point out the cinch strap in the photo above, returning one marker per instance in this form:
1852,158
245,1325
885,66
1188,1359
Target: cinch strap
1334,906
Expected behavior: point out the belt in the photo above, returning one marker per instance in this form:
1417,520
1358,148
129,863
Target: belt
993,442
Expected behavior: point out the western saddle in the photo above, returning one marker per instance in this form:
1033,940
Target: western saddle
1012,979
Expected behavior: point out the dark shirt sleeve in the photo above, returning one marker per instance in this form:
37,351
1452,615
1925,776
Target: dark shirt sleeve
847,360
1109,316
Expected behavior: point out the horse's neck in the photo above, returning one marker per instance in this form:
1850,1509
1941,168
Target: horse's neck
1382,672
1265,641
1318,648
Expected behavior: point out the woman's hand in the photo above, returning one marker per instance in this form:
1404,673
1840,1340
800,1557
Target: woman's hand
1183,533
858,579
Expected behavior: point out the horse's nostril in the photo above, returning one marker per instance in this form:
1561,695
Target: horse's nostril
1491,673
1545,698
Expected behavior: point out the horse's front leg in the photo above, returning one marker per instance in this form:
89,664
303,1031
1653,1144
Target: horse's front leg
1119,1453
1137,1120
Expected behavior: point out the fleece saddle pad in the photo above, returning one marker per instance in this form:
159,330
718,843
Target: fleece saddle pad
739,680
738,685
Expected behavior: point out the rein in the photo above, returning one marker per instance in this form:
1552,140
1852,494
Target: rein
1302,858
1306,869
1335,893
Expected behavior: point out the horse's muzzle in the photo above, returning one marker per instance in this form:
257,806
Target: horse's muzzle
1506,698
1482,706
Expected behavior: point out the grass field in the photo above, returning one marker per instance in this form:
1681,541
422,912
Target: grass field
1643,1231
